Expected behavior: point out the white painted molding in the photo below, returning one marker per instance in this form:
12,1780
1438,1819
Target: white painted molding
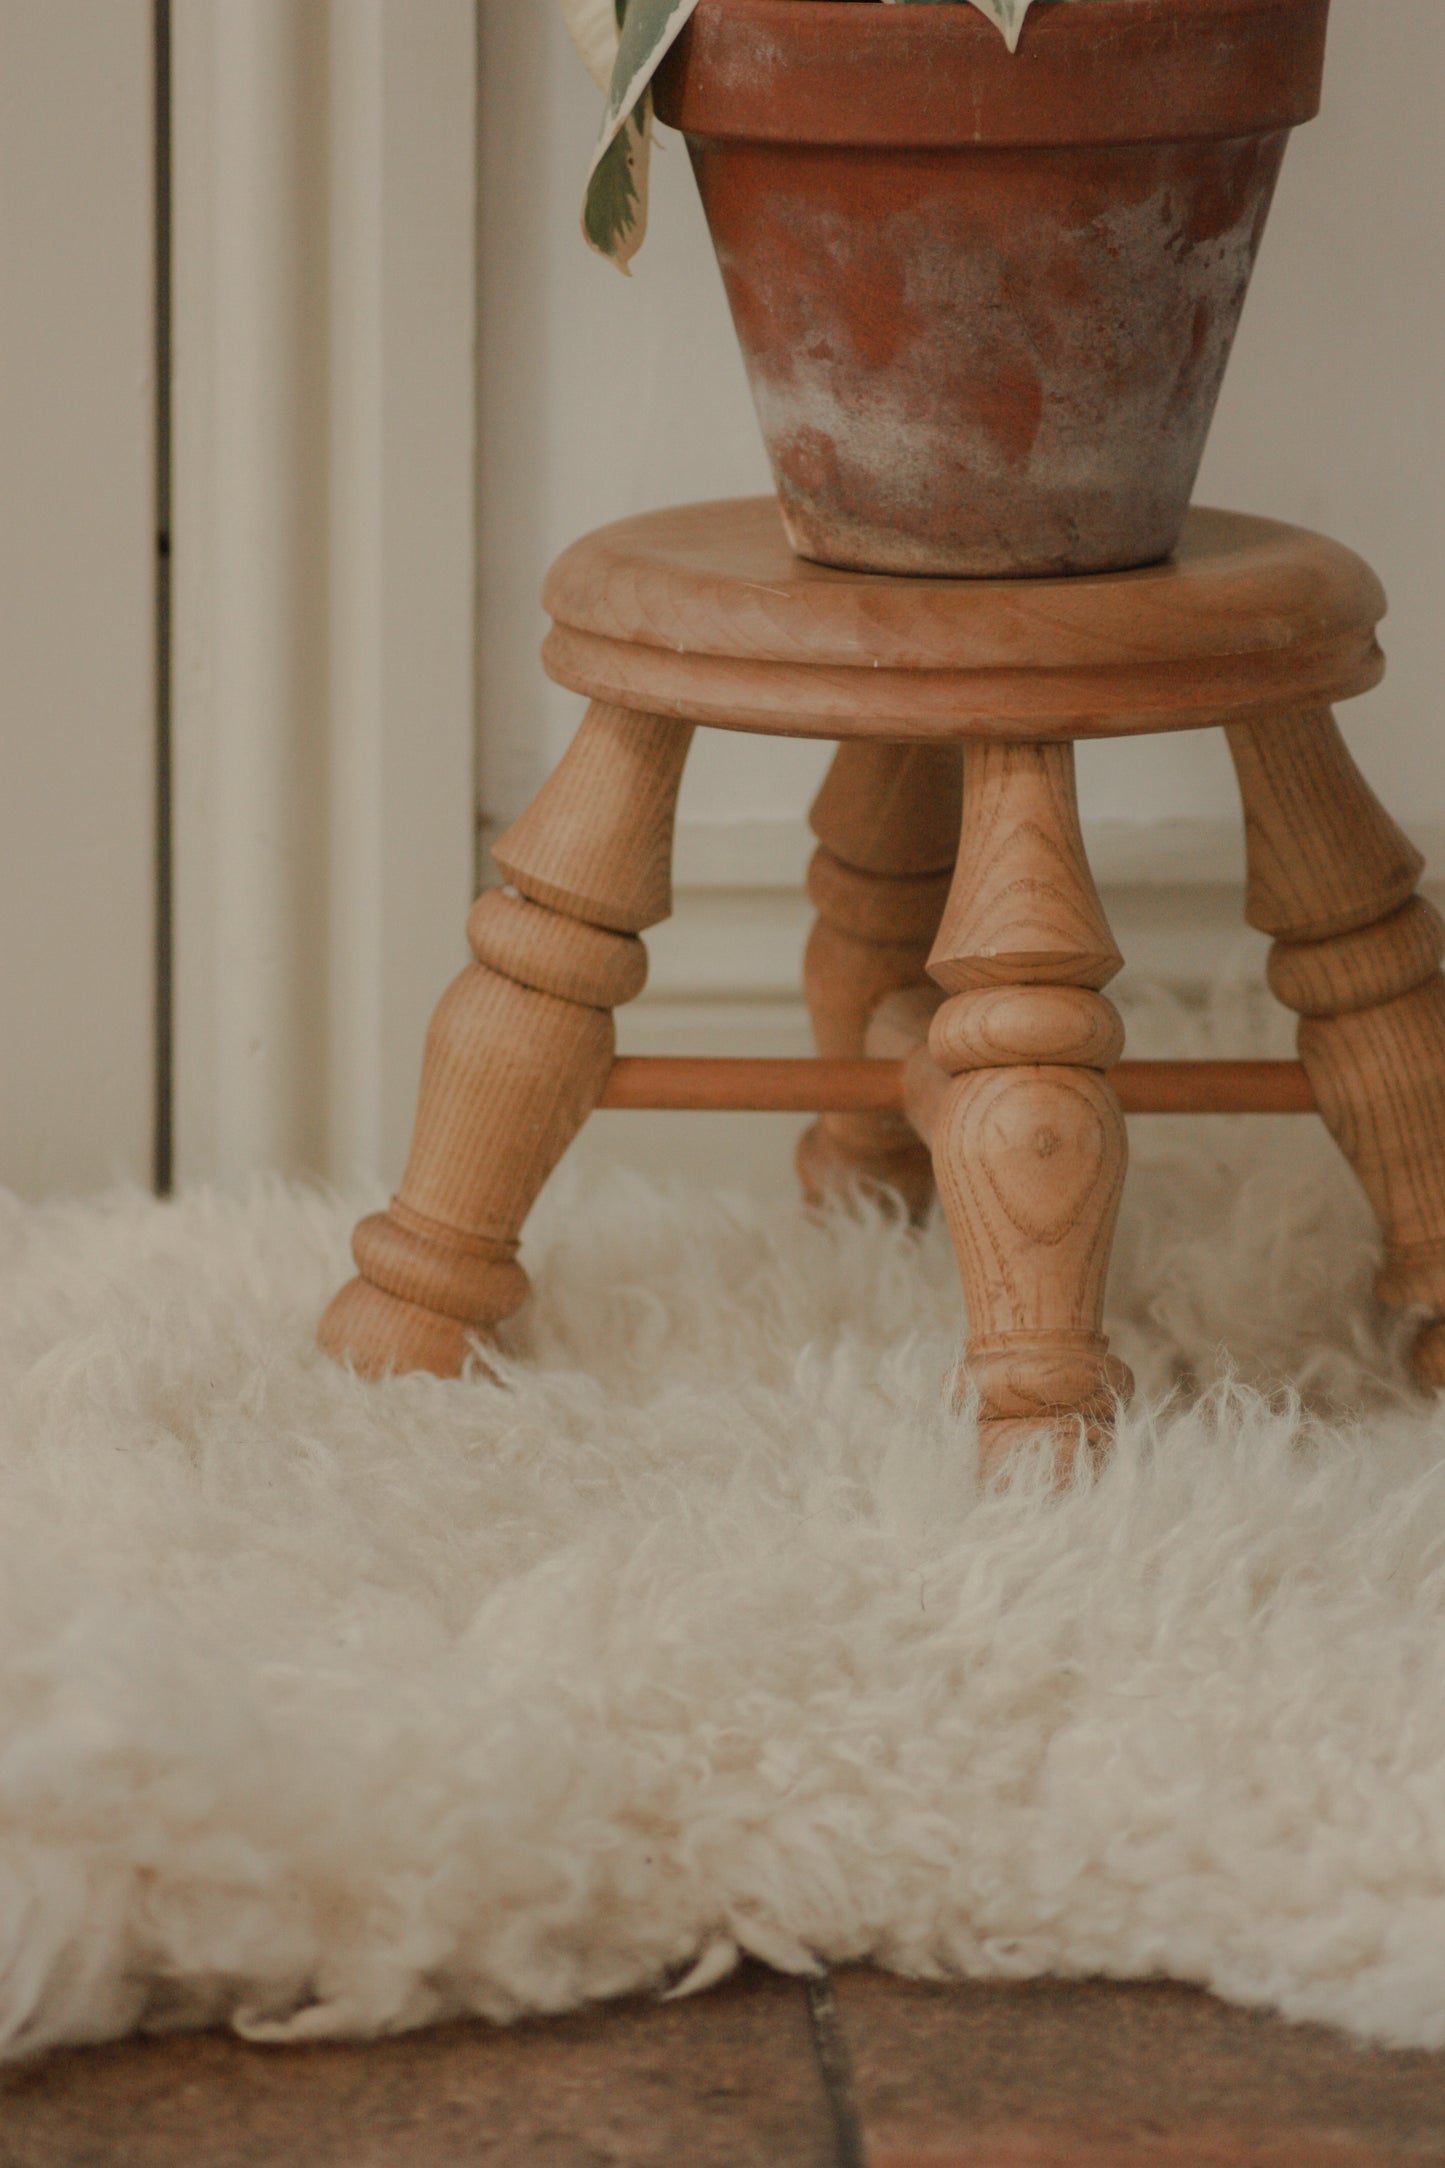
1164,853
324,276
1147,854
403,622
733,947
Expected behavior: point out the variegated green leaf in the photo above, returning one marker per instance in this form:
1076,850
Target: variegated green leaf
592,25
633,36
614,216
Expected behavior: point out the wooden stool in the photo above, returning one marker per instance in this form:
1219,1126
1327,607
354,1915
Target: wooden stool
955,986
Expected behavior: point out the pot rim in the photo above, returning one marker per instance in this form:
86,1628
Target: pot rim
858,73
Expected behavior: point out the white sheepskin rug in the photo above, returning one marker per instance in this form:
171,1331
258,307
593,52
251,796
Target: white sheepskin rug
334,1708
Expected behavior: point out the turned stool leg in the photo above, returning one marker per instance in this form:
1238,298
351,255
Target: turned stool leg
519,1048
1357,954
1029,1145
886,821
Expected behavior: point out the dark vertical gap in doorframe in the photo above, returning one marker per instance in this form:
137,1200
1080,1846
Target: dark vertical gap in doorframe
483,829
163,1155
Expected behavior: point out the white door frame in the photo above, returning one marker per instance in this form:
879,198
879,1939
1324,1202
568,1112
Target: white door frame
324,590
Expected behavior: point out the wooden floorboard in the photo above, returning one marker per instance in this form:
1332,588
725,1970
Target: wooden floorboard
1036,2075
1056,2074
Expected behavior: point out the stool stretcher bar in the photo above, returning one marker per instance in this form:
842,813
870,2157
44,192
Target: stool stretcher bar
717,1084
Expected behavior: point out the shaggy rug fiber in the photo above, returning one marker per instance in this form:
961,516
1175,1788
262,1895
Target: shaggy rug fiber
334,1708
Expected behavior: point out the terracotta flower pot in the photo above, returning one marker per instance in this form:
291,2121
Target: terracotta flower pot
986,299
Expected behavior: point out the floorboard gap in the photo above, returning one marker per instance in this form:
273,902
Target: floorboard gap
837,2073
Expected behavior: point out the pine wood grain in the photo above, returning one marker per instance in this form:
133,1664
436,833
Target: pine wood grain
704,613
1324,857
899,1068
887,820
1332,878
720,1083
1028,1140
519,1049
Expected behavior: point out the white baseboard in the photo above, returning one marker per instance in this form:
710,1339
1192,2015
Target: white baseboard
1164,853
726,968
1173,891
1149,854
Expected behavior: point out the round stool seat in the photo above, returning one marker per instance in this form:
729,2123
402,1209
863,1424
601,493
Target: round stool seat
705,614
